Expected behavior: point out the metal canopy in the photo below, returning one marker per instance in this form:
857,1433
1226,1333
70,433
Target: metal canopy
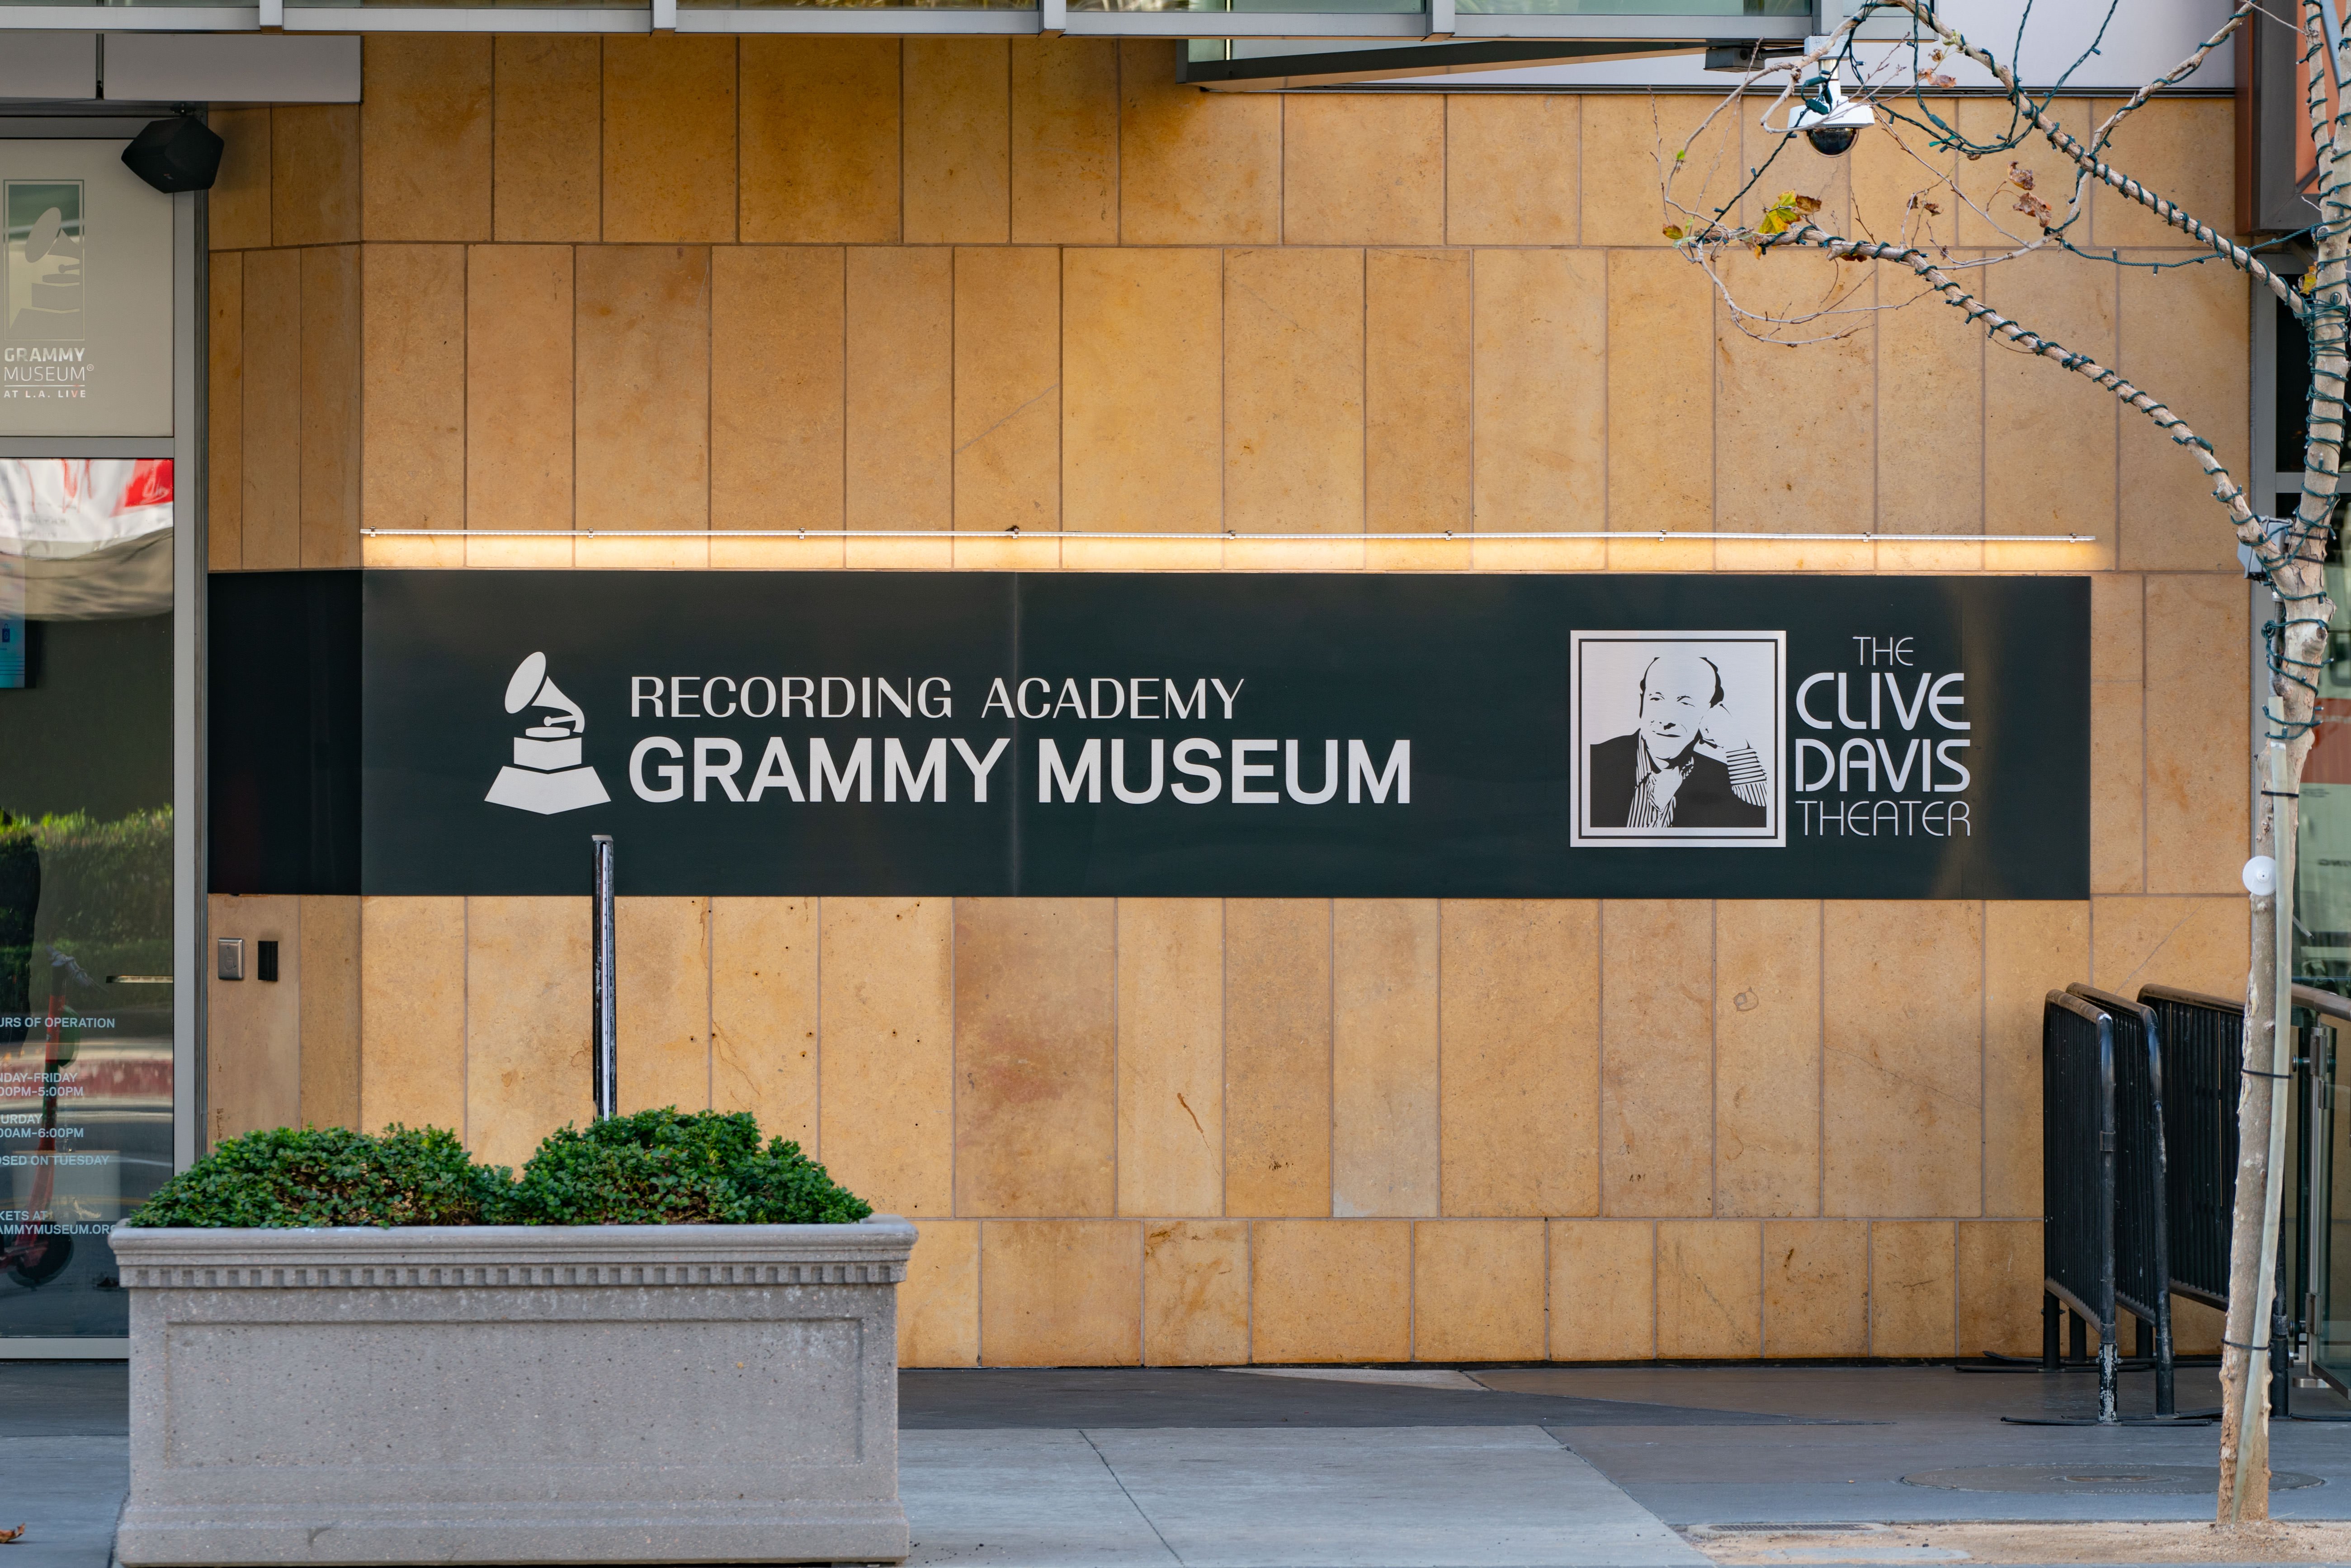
1612,35
1221,66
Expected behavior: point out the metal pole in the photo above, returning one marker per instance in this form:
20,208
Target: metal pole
2109,1325
604,1049
2318,1130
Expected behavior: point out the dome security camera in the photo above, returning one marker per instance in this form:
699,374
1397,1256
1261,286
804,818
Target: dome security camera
1828,120
1832,140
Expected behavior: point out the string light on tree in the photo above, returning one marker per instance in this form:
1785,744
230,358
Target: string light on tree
1888,93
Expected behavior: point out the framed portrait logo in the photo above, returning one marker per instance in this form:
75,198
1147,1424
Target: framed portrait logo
1675,740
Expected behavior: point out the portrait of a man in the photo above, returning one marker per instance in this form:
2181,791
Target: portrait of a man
1676,738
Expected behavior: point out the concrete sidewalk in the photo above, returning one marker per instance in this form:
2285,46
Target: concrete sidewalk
1362,1471
1398,1468
1364,1497
1899,1427
65,1460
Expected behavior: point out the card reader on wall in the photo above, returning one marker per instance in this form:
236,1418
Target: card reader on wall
231,953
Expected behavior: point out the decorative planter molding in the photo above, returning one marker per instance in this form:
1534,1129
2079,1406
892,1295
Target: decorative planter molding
515,1393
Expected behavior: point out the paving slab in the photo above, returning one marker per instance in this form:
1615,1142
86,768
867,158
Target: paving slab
65,1460
1922,1419
1855,1393
1416,1497
1420,1496
67,1492
2084,1544
1091,1398
1468,1468
1019,1499
1393,1376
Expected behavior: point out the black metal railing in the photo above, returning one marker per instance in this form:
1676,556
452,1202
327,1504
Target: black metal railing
2204,1040
2142,1258
2077,1172
2303,1342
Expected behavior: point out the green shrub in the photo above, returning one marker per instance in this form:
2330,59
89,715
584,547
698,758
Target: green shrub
97,881
668,1167
331,1175
656,1167
99,892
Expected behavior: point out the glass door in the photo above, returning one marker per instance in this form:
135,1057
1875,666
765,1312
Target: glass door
86,1016
2327,1169
2322,901
2320,1254
102,284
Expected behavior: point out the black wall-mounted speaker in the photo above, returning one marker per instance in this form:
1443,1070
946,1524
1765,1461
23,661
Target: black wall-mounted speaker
182,153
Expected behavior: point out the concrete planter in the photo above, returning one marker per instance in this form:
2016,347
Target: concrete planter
512,1394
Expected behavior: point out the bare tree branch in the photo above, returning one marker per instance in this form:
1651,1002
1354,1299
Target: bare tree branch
2225,488
2323,450
2289,554
2094,167
2296,571
2176,74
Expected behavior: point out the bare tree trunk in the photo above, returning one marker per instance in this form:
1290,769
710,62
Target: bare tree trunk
2268,1052
2291,553
2299,579
2247,1301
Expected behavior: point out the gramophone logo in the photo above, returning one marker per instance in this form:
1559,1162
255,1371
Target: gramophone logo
546,776
44,252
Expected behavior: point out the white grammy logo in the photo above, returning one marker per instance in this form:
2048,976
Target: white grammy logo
546,776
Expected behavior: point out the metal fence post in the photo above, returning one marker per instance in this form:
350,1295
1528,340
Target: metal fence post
604,1034
2078,1177
2142,1237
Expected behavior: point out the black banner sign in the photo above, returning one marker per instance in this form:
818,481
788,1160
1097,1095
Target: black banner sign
1171,734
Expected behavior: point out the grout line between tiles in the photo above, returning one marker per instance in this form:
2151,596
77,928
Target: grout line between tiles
816,1111
710,1003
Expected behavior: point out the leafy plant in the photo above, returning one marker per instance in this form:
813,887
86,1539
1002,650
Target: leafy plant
96,881
96,892
1790,210
656,1167
673,1167
286,1178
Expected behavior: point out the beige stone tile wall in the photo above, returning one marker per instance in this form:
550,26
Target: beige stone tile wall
710,286
285,1052
963,284
1201,1131
253,1078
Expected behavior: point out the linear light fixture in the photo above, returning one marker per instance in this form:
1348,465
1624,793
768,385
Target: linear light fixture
1660,535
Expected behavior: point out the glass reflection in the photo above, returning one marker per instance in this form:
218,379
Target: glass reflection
2322,908
1636,7
2322,957
844,4
85,961
1333,7
2332,1269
